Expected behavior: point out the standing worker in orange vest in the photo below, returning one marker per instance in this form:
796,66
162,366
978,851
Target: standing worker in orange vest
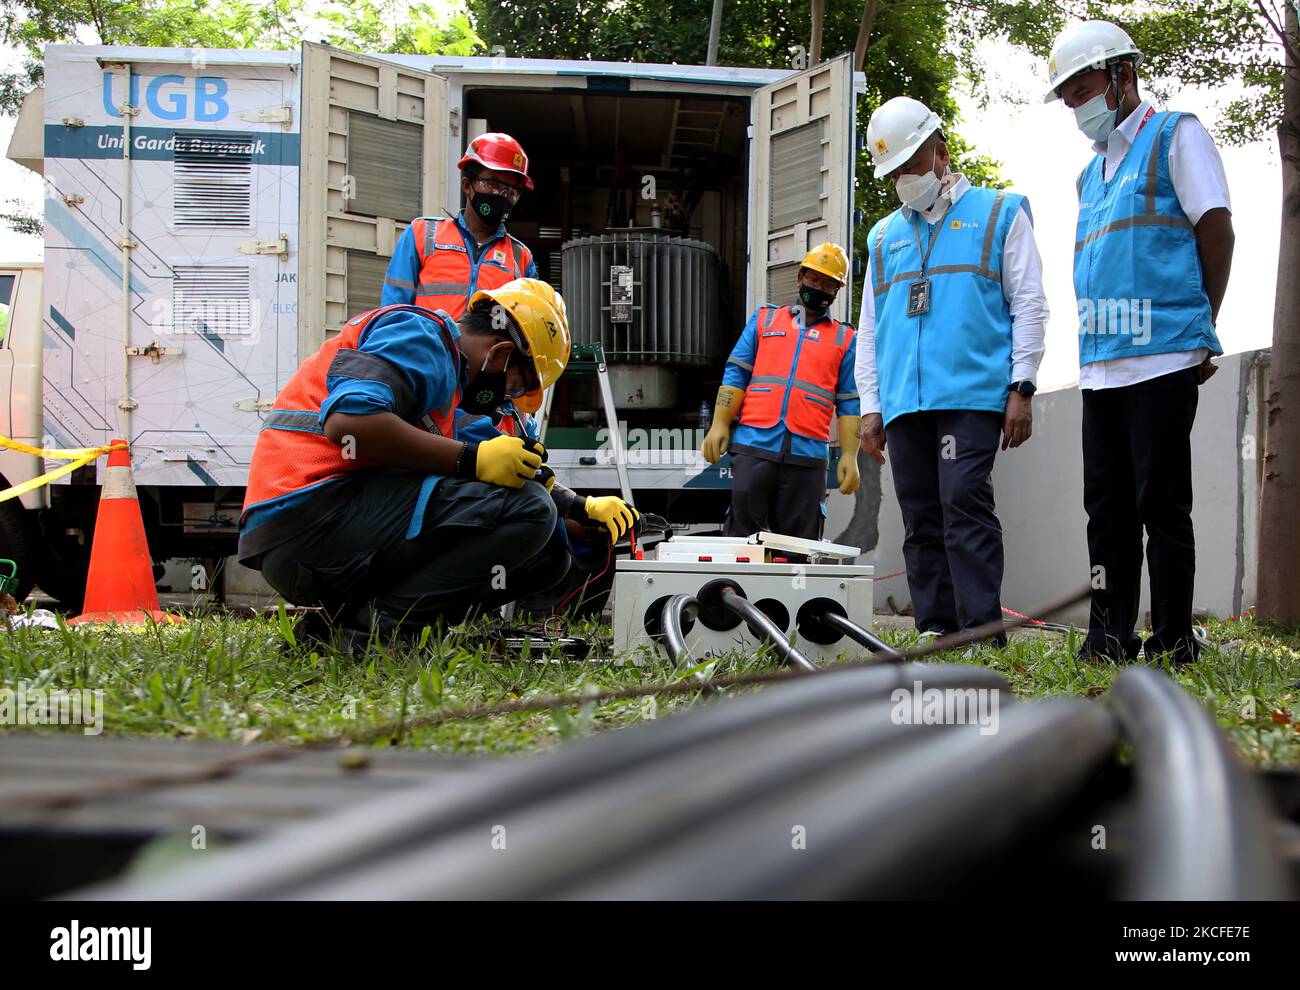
790,371
440,262
359,498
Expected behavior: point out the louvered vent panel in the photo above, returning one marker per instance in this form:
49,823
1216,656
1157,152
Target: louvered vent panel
212,180
212,300
365,274
796,175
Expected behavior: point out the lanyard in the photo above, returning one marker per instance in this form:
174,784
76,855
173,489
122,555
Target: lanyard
1151,112
916,231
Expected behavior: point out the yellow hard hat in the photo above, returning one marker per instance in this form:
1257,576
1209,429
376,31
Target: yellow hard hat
829,259
538,311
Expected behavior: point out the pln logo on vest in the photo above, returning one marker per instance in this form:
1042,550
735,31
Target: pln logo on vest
499,256
962,224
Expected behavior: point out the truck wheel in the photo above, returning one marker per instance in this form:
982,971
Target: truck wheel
64,563
18,543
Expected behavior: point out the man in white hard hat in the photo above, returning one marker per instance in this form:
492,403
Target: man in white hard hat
1152,253
949,341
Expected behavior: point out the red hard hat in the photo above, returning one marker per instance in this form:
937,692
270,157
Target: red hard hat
499,152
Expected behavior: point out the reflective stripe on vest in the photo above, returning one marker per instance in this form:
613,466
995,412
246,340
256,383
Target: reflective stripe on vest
1137,271
292,451
795,373
958,354
449,276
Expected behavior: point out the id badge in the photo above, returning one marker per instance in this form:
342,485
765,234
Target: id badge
918,297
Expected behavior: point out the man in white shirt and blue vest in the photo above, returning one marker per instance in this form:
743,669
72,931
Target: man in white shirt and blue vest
949,341
1152,254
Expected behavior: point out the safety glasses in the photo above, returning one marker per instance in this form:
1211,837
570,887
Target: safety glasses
495,187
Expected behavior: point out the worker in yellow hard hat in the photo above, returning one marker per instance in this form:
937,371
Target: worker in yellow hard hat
788,376
361,498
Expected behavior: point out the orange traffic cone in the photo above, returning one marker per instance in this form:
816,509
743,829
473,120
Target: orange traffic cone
121,587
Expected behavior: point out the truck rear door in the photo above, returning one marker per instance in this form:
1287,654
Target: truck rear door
373,159
801,190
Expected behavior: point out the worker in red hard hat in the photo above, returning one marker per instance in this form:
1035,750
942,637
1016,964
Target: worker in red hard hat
440,262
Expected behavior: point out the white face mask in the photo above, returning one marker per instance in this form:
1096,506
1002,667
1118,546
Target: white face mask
1095,118
918,192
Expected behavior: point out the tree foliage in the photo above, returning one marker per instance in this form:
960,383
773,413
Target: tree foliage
400,27
910,52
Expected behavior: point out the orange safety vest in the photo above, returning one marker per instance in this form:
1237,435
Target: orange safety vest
292,451
447,275
810,384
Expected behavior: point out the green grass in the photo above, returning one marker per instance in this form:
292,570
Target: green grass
227,678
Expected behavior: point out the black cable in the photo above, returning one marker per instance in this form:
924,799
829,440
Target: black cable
887,654
764,628
1204,828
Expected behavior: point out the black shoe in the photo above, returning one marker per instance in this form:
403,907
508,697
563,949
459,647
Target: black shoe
1108,651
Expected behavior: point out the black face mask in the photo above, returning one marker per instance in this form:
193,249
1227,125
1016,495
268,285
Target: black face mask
816,300
484,392
492,209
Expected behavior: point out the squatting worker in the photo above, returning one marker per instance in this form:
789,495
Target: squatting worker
790,371
1152,253
440,262
950,338
360,500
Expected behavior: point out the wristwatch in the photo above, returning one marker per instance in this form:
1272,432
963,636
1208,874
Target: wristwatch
1024,387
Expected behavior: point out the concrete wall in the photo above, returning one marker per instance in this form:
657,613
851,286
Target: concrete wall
1039,492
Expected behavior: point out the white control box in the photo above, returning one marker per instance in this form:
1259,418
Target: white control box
786,593
711,549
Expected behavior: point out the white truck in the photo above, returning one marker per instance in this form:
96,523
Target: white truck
260,202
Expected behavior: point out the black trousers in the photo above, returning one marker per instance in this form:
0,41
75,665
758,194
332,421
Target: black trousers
1137,474
952,543
779,498
482,546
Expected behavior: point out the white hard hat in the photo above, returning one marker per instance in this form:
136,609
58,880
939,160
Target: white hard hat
1084,46
896,130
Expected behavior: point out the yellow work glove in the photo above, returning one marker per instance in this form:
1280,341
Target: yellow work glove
847,471
503,461
719,435
612,513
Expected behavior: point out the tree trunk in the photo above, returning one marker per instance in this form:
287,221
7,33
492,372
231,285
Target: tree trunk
1278,574
815,45
864,34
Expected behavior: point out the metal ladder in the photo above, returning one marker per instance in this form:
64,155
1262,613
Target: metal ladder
590,359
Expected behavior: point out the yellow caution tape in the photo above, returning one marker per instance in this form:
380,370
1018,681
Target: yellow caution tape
79,457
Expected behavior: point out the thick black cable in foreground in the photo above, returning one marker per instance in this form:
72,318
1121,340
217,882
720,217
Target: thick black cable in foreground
883,651
375,833
675,613
764,628
1203,826
906,822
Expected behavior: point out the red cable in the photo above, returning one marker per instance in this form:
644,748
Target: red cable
555,614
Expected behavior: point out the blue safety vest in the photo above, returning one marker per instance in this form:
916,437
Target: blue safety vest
1137,273
957,355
